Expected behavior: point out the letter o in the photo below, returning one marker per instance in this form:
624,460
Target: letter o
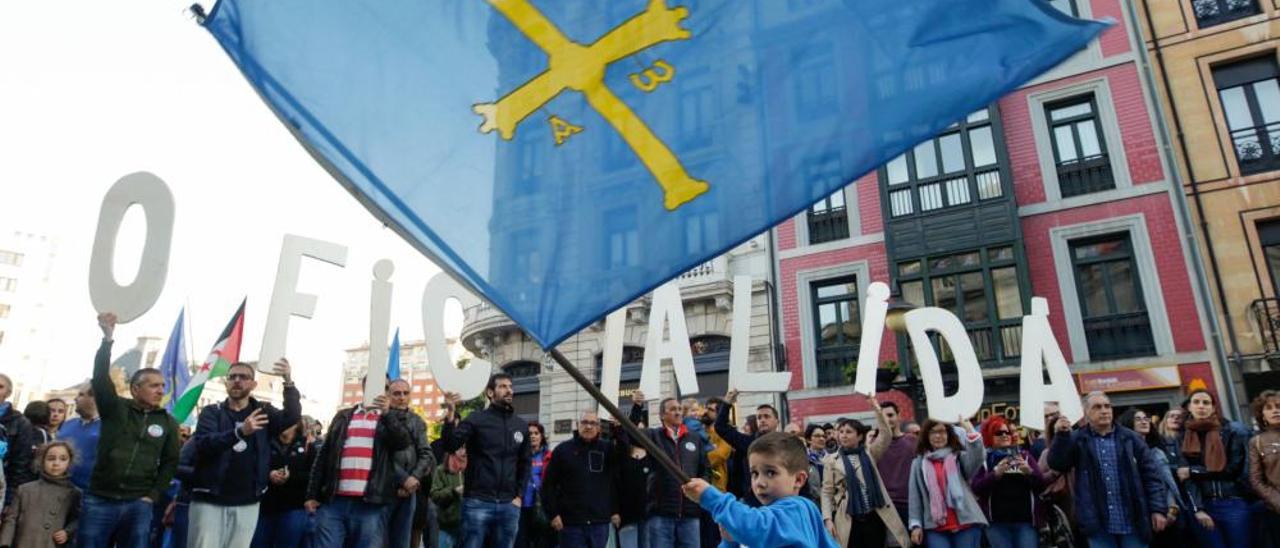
130,301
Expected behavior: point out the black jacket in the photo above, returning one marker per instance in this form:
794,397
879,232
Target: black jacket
416,460
300,457
665,495
581,484
739,472
216,436
391,435
21,436
633,481
497,445
1205,485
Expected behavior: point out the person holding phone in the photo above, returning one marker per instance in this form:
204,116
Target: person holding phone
1008,488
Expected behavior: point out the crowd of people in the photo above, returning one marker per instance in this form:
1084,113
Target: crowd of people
123,472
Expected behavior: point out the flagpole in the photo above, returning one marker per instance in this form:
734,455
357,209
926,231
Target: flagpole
636,435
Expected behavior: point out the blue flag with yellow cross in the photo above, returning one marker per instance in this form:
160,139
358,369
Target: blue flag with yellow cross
564,157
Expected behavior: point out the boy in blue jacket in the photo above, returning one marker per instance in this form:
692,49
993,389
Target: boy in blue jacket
779,469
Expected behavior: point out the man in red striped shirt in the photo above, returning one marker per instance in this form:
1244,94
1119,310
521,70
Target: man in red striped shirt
353,486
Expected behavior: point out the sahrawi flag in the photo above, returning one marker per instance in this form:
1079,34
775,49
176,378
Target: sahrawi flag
564,157
225,352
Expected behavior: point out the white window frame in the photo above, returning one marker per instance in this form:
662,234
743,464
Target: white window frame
861,270
1107,120
1143,257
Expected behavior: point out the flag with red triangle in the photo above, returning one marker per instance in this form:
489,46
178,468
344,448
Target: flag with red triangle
225,352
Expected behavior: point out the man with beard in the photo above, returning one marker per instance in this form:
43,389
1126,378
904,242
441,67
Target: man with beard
497,464
233,457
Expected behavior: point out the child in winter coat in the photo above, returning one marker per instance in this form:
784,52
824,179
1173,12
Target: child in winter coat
45,512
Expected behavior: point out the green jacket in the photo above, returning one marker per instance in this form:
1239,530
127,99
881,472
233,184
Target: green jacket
448,501
138,450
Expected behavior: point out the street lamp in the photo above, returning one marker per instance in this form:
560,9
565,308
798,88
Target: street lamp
896,320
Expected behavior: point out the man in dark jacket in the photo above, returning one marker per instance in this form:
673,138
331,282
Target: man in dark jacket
580,492
414,465
739,472
233,457
497,465
137,454
673,519
1119,497
19,437
353,483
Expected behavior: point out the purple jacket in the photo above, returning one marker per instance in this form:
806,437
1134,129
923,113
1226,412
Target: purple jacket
985,480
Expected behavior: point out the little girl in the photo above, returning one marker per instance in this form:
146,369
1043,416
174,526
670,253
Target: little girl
45,511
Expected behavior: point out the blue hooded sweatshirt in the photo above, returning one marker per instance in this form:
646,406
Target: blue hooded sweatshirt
791,521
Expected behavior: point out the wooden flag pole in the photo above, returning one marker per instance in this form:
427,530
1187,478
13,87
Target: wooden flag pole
637,437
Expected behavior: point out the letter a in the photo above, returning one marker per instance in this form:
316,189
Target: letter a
667,310
1040,350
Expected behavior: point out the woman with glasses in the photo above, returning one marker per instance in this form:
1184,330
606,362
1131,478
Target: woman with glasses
816,438
1139,421
943,509
1211,460
1008,488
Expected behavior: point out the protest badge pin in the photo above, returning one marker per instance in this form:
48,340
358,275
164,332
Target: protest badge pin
689,446
155,431
240,446
518,436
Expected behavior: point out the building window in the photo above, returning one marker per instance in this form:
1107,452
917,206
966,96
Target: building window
838,323
1116,324
1250,99
417,388
4,311
829,218
1269,237
697,104
981,287
959,167
701,230
532,161
1217,12
622,246
8,284
10,258
1079,150
1,337
814,81
1065,6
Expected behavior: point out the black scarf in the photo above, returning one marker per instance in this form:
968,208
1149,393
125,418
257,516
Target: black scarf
853,488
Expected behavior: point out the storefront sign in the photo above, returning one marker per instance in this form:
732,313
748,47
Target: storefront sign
1128,380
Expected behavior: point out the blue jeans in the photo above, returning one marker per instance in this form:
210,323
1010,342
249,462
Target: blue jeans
286,529
1013,535
1231,524
589,536
447,540
489,524
400,527
351,522
674,532
1116,541
102,519
632,536
968,538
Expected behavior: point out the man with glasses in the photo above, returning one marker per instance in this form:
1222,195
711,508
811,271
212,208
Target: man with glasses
233,457
580,492
413,466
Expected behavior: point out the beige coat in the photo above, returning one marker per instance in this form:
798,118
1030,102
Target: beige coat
835,497
41,508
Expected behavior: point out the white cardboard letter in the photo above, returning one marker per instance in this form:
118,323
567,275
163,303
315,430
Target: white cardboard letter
739,347
1040,350
286,301
877,306
467,382
968,397
133,300
667,310
379,328
615,327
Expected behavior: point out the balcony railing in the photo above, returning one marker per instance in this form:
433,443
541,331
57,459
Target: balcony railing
829,224
715,270
1266,313
831,362
1216,12
1257,148
1119,336
1092,174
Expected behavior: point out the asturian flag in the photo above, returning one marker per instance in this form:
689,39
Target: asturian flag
225,352
563,157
